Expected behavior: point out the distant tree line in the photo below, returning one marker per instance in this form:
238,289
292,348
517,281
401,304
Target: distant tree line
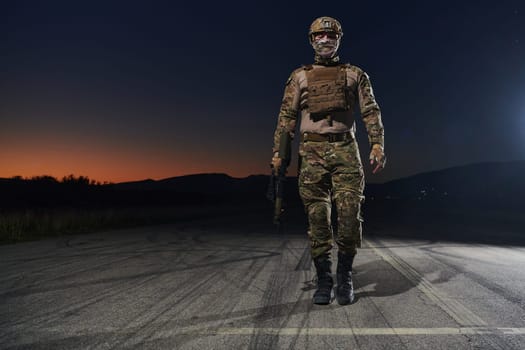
70,179
44,191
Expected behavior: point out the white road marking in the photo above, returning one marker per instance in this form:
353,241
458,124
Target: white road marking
463,316
291,331
297,331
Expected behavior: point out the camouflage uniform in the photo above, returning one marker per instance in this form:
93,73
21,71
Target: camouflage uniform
331,170
326,94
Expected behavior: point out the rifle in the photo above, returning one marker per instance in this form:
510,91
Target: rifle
276,186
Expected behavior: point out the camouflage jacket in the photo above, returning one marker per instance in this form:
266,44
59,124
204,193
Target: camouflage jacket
359,91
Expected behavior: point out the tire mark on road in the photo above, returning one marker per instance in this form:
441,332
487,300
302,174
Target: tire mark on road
506,294
272,296
461,314
120,287
379,312
77,258
305,263
148,331
146,321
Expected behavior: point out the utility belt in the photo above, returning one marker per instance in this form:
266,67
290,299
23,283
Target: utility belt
313,137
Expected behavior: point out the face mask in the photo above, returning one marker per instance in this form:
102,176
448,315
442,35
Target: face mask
325,47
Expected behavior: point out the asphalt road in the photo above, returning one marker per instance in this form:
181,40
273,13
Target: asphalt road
196,286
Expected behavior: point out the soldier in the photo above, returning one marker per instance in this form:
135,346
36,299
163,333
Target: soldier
331,171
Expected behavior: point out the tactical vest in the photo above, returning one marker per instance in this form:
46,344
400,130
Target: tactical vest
326,90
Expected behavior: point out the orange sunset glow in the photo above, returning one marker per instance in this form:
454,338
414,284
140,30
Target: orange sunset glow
109,153
116,166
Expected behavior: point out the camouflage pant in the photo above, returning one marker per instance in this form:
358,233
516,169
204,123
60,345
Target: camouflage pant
332,172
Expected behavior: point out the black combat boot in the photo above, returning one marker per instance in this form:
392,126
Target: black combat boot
324,293
345,288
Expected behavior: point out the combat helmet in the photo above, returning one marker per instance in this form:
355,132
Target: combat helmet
325,24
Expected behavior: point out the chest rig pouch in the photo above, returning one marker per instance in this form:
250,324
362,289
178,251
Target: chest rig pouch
326,90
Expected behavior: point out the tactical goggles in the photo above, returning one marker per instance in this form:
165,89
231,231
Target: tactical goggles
329,35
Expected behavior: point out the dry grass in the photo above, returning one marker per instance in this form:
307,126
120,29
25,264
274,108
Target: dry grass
18,226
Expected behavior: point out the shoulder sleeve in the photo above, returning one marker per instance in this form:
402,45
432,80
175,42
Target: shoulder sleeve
370,111
287,119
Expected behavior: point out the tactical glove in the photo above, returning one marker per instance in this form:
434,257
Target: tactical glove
377,158
276,161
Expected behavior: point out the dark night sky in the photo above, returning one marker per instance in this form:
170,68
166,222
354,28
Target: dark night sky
131,90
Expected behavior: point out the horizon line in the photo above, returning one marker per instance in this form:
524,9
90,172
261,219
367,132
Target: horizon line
234,177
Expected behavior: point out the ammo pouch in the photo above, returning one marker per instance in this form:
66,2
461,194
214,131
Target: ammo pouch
326,90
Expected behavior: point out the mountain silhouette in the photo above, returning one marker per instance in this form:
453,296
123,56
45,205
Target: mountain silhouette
482,181
490,183
216,183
